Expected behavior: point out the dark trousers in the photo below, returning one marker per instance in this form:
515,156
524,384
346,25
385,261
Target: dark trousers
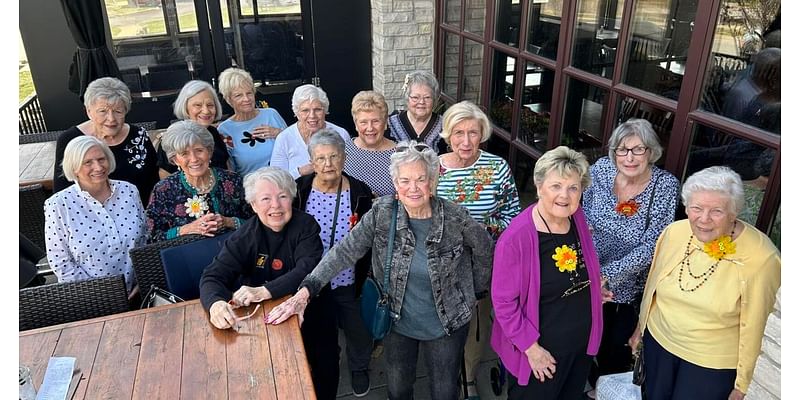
614,356
568,382
668,377
442,357
321,342
348,316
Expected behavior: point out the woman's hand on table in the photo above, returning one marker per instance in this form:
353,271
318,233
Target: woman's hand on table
543,364
248,294
221,315
294,305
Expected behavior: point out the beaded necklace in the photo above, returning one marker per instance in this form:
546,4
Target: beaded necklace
705,275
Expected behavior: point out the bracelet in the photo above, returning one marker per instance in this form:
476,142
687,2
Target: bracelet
236,223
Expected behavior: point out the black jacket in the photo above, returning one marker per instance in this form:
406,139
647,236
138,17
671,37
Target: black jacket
361,198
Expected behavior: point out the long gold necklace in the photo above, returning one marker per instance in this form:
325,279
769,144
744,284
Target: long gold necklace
686,264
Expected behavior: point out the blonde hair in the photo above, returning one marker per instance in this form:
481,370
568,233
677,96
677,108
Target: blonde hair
565,162
232,79
459,112
369,101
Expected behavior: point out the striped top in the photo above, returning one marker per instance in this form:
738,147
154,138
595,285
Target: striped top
485,188
370,167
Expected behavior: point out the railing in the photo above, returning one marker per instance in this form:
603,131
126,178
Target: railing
31,119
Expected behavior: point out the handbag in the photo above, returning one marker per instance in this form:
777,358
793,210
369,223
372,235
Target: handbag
159,297
638,365
375,304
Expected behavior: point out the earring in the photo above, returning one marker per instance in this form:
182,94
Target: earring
396,196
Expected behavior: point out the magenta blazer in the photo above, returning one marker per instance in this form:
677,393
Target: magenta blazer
516,288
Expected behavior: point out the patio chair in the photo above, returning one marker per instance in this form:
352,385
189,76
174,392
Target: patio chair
50,136
31,213
59,303
147,261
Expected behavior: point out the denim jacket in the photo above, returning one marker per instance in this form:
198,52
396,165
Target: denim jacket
459,257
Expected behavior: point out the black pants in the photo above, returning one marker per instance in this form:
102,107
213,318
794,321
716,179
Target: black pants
668,377
320,337
348,316
567,384
614,356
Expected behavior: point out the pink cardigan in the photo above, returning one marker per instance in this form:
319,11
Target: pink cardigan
516,286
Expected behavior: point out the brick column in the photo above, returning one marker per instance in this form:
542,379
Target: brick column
766,384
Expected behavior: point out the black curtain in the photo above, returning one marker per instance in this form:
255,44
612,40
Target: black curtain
92,59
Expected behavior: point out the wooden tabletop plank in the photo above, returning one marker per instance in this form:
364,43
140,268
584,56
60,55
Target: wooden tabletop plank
80,342
250,373
288,358
204,363
159,371
35,352
114,368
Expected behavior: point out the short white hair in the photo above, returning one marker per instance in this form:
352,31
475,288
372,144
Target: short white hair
110,89
75,151
183,134
191,89
306,93
720,179
277,176
407,152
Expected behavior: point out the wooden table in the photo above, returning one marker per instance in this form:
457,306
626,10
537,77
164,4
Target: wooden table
36,161
173,352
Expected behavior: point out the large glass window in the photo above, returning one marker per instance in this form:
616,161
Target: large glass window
452,12
130,19
661,120
536,103
507,19
270,7
473,68
596,33
582,129
503,87
476,17
544,22
451,56
523,177
187,17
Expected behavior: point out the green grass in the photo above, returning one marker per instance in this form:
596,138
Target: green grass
25,85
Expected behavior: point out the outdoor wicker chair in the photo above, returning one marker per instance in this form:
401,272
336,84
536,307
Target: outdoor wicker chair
31,213
147,261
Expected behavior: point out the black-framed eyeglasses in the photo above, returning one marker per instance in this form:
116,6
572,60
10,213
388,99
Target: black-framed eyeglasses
637,151
418,147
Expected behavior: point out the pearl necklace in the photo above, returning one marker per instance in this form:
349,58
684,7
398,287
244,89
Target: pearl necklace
705,275
203,189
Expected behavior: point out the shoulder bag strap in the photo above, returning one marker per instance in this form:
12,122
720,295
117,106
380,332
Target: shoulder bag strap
650,204
390,249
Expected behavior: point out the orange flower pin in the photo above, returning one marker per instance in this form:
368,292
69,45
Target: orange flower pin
566,258
627,208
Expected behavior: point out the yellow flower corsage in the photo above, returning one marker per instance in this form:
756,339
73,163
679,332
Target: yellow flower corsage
566,258
719,248
263,104
196,206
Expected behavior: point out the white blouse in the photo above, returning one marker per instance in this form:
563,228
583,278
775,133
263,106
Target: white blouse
86,239
291,152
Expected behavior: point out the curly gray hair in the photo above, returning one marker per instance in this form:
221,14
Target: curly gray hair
191,89
306,93
411,151
718,179
109,89
277,176
184,134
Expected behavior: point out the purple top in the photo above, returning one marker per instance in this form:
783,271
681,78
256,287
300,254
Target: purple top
321,206
516,279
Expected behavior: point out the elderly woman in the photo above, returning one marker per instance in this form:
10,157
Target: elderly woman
483,184
107,101
337,201
198,102
440,260
91,226
198,199
368,154
628,205
250,132
266,259
309,104
417,121
546,289
710,289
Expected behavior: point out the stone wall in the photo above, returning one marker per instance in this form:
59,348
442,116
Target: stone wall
402,41
766,383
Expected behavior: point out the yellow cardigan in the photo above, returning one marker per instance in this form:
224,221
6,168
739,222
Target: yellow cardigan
719,325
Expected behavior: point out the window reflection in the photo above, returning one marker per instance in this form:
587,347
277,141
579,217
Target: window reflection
187,17
497,146
131,19
544,22
507,20
270,7
452,12
584,133
536,101
743,78
450,78
523,176
473,68
502,92
596,33
661,120
659,42
476,17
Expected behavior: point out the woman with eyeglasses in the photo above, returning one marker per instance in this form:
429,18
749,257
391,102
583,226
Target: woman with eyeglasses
546,288
417,121
441,257
368,153
628,205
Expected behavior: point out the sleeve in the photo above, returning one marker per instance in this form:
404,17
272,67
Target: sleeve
56,233
280,153
644,307
344,253
587,201
141,237
59,181
160,219
279,122
508,197
307,253
223,273
506,300
478,240
758,300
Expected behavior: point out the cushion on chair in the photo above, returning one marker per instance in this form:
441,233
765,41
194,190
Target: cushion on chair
184,264
147,261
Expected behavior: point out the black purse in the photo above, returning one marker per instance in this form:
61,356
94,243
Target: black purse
159,297
638,365
375,304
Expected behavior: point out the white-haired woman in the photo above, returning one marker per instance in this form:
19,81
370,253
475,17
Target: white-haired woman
440,260
417,121
483,184
92,225
250,132
267,258
309,104
628,205
198,102
368,154
711,286
107,101
199,198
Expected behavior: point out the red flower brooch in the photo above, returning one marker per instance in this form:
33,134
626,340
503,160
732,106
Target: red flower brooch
353,220
627,208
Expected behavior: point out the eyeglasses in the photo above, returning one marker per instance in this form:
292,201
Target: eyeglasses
637,151
420,99
418,147
321,160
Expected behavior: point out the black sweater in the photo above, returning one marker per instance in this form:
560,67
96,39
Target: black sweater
255,256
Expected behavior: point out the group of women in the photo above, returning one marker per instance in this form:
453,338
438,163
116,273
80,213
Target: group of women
570,286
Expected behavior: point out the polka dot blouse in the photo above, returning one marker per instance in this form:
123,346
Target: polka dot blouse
321,206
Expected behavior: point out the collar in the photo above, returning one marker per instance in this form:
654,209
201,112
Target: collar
437,219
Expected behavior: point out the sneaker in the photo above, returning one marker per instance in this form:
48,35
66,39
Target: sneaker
360,382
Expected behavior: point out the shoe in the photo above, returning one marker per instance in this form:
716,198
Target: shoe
359,380
472,387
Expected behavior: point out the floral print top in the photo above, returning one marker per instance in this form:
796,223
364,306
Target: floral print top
485,188
167,210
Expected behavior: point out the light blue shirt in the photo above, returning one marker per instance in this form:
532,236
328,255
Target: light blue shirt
249,154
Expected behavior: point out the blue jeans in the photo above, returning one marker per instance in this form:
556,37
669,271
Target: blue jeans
443,358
